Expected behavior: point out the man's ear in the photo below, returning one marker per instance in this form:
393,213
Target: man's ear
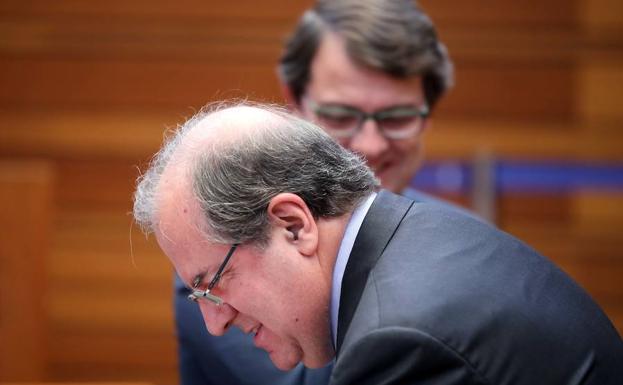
293,104
291,217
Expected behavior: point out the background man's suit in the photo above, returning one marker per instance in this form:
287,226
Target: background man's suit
430,296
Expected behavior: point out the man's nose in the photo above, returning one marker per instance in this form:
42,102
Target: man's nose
369,141
217,318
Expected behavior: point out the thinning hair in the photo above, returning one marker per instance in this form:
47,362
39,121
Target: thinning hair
392,36
235,179
146,193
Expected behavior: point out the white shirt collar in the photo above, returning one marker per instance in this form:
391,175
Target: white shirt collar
346,246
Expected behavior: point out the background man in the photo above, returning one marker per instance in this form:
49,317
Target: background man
370,72
361,69
402,292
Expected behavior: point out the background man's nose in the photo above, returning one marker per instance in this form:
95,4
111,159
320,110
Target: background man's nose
369,141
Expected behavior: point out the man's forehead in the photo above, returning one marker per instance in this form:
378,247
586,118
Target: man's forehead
176,204
191,254
179,229
337,78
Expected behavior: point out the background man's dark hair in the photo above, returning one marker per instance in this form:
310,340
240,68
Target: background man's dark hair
394,37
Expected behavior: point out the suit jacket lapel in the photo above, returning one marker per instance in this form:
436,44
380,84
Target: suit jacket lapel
378,227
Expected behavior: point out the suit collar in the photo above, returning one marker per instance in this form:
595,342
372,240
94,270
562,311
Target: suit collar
346,246
377,229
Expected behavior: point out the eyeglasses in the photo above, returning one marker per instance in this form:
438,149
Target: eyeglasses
197,294
395,123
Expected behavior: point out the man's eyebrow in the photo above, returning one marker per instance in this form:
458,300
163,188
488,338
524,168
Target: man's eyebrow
399,106
350,107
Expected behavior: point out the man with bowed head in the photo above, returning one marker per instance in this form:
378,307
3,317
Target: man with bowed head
280,232
369,72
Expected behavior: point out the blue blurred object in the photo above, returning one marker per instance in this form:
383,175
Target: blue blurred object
521,176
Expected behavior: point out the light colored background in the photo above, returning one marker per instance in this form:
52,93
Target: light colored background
87,88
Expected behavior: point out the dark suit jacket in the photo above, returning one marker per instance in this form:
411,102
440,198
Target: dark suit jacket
430,296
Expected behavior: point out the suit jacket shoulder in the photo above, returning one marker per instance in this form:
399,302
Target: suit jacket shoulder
449,299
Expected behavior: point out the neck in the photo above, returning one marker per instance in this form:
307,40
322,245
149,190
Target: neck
331,232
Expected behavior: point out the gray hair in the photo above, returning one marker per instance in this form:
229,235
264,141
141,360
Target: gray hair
393,36
145,196
234,180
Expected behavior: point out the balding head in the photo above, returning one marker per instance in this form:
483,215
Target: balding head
226,125
220,125
229,162
215,124
212,130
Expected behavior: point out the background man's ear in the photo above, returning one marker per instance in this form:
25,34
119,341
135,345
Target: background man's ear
427,125
292,219
291,102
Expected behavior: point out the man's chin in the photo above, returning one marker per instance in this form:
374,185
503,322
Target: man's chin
289,363
389,182
283,363
395,179
319,362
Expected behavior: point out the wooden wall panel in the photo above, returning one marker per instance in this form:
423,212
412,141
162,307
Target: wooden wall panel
602,207
221,9
95,134
600,94
109,286
26,189
602,14
126,85
513,92
501,12
462,138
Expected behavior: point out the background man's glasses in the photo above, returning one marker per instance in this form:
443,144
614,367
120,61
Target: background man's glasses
396,123
197,294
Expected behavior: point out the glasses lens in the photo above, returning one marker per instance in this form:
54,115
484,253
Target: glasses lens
400,123
341,121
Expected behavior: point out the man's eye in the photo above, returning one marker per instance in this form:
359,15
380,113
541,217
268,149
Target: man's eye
397,122
338,121
196,282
